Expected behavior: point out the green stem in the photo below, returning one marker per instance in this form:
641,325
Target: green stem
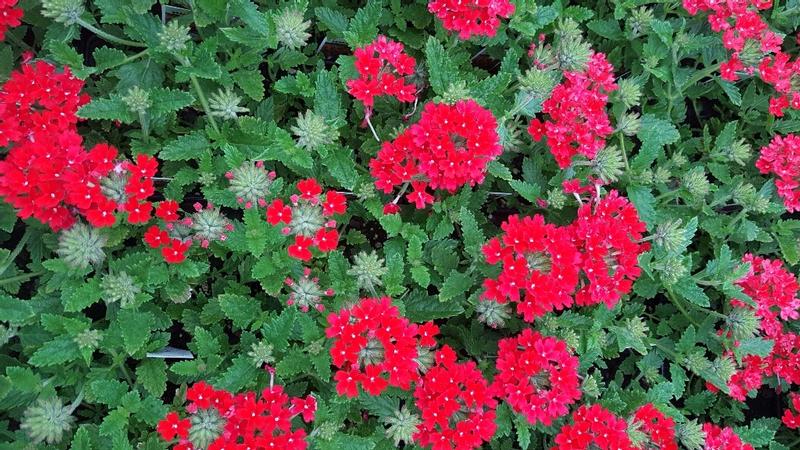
668,195
624,153
107,36
13,37
77,402
23,277
699,75
680,307
129,59
204,102
669,352
13,255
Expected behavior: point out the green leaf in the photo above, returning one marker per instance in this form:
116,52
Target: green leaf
456,284
442,71
238,375
136,327
654,133
644,201
152,375
112,108
279,328
420,307
251,82
754,346
689,290
81,440
240,309
106,57
363,27
186,147
58,351
14,310
381,405
167,100
523,431
327,101
206,343
335,21
339,162
80,297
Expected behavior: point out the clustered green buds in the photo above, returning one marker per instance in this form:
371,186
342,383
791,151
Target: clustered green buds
137,100
743,323
639,21
572,52
261,353
225,104
206,427
629,124
47,421
628,92
313,131
670,236
174,37
672,269
368,268
88,339
67,12
691,435
608,164
455,91
292,28
401,426
556,198
81,245
493,314
250,183
120,287
696,182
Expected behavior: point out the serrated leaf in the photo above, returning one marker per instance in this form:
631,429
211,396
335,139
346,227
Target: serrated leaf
654,133
688,289
136,327
169,100
152,375
240,309
442,71
363,27
58,351
14,310
327,102
112,108
335,21
251,82
186,147
239,374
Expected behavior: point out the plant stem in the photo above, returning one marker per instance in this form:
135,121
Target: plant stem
204,102
23,277
129,59
664,349
13,255
680,307
624,153
107,36
77,402
702,74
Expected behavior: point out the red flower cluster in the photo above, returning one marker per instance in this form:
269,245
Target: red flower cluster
723,439
594,425
9,17
659,428
545,260
308,218
774,290
537,376
792,418
456,403
226,421
375,347
448,148
205,225
382,67
782,158
578,122
471,17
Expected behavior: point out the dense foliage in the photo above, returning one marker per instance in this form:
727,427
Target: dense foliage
444,224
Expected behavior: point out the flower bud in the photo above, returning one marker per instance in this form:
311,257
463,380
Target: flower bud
174,37
493,314
313,132
368,268
291,28
47,420
121,288
225,104
63,11
81,246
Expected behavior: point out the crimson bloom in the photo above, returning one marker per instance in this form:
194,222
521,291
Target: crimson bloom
382,66
156,237
594,425
309,189
718,438
172,425
9,16
277,212
175,252
167,211
300,247
471,17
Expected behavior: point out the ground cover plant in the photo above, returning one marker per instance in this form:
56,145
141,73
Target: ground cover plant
445,224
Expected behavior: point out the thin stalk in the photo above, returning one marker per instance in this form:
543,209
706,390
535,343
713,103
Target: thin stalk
129,59
371,128
77,402
624,153
13,255
204,102
680,307
23,277
109,37
702,74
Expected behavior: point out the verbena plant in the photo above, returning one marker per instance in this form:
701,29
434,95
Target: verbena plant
453,224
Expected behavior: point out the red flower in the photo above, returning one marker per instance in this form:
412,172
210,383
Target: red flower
167,211
9,16
175,253
309,189
578,123
306,407
102,213
139,188
335,203
138,212
373,345
537,376
277,212
146,166
792,419
723,439
782,159
156,237
419,196
449,147
326,240
456,404
300,247
172,425
249,420
102,157
381,67
390,208
659,428
539,260
608,231
470,17
594,425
